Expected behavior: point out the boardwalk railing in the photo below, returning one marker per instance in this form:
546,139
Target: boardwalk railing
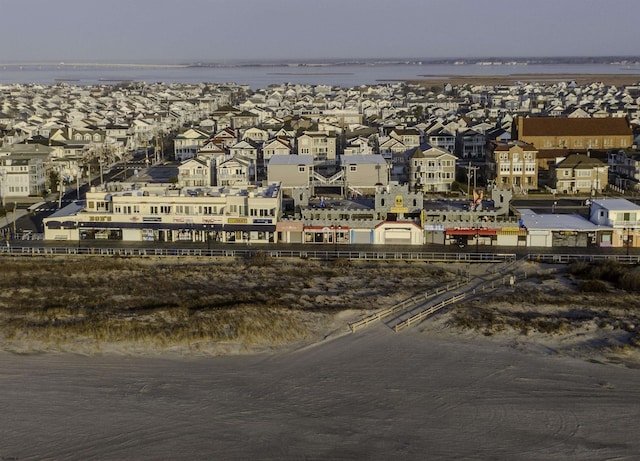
250,252
413,301
419,316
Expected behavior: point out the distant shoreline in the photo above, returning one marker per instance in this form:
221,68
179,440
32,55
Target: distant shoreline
580,79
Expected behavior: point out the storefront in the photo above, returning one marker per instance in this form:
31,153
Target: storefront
327,235
464,236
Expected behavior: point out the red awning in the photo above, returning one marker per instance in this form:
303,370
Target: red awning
480,232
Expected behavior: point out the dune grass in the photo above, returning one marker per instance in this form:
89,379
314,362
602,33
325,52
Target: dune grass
171,302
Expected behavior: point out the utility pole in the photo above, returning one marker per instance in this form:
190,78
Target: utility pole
471,170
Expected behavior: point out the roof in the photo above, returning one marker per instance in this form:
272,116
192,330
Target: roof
556,222
291,160
578,161
362,159
616,204
552,126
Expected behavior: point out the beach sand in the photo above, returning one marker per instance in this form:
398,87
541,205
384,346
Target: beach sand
432,391
371,395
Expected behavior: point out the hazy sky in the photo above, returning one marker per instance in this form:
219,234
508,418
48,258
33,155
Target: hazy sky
217,30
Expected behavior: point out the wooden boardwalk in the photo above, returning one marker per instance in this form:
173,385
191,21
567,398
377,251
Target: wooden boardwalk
415,309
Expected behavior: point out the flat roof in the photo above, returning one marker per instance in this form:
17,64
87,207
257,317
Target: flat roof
616,204
552,221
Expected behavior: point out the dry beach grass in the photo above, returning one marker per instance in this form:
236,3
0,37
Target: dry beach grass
204,307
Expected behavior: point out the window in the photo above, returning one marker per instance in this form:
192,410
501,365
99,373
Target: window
353,168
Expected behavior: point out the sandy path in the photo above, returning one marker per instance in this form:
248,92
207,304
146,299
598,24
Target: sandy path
371,395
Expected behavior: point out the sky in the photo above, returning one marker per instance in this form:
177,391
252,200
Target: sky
187,31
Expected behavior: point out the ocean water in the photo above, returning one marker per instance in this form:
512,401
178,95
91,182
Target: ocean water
263,75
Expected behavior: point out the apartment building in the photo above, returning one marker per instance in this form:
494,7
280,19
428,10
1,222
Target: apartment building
513,165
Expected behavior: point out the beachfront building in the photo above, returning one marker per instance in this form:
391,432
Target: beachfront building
622,219
165,213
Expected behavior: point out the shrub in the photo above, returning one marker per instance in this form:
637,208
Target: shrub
593,286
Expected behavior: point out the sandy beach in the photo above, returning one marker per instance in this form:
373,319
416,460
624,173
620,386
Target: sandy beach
372,395
432,391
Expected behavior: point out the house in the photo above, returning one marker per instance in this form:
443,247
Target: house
581,174
442,137
186,144
256,135
226,137
194,172
624,165
622,217
410,137
432,169
321,145
470,144
235,172
276,146
513,165
291,171
364,173
391,146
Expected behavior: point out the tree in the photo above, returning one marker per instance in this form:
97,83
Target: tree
54,179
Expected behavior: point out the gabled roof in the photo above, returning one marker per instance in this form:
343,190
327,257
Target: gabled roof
580,161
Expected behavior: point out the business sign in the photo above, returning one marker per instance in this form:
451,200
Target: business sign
237,220
262,221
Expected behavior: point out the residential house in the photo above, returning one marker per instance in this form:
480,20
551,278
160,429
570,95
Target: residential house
186,144
291,171
194,172
364,173
321,145
235,172
431,169
470,144
581,174
624,166
410,137
390,146
276,146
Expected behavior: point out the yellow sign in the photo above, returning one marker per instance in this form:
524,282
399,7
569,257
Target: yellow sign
399,210
237,220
